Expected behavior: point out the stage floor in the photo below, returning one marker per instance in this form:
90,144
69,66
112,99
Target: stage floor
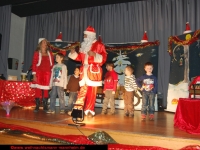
161,127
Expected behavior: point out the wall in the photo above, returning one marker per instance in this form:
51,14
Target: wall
16,45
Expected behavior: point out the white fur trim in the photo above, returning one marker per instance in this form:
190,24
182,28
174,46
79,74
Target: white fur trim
58,40
40,58
40,40
73,56
89,33
143,41
98,58
49,58
33,72
188,31
87,111
40,86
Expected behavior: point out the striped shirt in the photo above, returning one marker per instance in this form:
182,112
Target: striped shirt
130,84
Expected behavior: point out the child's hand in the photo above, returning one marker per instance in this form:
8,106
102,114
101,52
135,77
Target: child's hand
113,92
104,92
67,91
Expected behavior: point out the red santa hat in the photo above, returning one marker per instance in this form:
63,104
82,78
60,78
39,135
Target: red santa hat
59,37
145,38
90,31
40,40
187,28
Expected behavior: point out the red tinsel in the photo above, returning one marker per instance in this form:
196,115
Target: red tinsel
176,40
133,47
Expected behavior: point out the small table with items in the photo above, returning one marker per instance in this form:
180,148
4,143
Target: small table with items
187,116
19,92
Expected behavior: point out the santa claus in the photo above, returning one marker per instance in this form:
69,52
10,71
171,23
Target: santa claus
93,55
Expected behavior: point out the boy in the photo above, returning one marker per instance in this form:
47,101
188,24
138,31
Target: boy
110,84
73,88
58,83
148,85
130,86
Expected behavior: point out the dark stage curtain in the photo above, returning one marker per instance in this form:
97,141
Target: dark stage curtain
117,23
5,21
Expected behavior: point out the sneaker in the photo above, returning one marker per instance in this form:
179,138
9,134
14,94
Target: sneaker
62,112
69,113
151,117
143,117
111,113
50,112
103,112
126,114
131,115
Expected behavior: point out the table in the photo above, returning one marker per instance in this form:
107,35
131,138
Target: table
17,91
187,115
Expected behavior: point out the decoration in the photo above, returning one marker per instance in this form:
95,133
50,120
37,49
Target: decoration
187,28
19,92
135,54
130,46
101,137
145,38
184,52
177,41
73,141
59,37
7,106
62,47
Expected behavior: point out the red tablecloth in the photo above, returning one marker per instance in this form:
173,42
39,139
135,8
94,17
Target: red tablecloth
187,116
17,91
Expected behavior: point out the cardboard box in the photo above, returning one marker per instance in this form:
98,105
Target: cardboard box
12,78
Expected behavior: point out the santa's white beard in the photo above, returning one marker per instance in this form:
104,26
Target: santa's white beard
86,44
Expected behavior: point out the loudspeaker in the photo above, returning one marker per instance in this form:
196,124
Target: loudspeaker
0,40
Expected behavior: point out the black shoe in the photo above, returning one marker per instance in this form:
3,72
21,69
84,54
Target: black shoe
37,103
36,110
111,113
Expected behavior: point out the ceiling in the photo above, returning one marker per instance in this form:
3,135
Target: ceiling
24,8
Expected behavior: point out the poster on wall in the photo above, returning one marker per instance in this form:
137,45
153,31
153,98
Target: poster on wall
64,48
184,51
136,55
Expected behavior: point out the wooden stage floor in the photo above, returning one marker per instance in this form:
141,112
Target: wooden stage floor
161,127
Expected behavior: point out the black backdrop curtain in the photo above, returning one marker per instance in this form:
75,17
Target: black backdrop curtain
125,22
5,21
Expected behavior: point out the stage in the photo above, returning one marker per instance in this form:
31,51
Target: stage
124,130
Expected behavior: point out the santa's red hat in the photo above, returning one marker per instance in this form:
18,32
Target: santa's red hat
59,37
145,38
90,31
187,28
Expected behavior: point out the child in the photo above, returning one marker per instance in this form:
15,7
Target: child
58,83
130,86
73,88
110,84
148,85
